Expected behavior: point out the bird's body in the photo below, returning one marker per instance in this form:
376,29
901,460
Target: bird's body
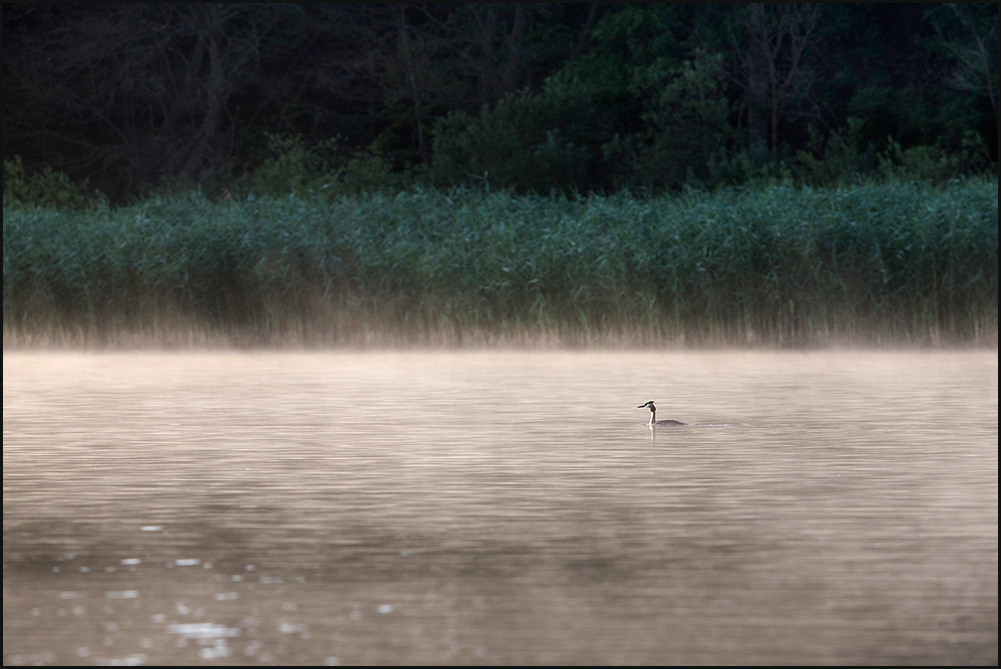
653,416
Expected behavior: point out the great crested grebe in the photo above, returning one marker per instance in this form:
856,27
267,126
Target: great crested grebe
653,416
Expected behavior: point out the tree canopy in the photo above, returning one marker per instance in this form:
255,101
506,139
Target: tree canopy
526,96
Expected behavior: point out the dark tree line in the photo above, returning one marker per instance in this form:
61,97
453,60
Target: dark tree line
534,96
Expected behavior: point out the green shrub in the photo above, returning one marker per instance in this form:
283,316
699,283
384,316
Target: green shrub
932,163
290,168
836,160
528,142
325,169
686,119
841,160
45,188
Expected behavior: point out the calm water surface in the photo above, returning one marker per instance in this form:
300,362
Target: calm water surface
484,507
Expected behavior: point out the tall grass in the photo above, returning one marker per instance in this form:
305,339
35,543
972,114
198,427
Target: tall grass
902,263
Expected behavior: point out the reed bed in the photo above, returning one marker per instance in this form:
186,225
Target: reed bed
903,263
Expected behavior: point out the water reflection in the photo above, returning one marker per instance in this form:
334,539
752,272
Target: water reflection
500,507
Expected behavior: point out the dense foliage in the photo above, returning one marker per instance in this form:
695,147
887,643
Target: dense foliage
344,97
901,262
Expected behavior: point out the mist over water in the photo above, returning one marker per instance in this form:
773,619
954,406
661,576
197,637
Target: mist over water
500,507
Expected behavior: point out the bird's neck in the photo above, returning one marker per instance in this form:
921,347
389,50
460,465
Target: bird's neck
653,416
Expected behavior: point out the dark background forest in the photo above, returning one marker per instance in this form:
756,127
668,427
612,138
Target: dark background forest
132,99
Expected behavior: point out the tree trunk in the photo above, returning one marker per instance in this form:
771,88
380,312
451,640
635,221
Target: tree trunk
415,91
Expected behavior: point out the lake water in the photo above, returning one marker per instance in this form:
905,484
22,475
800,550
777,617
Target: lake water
500,507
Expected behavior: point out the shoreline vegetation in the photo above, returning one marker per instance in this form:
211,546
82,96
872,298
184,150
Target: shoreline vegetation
895,264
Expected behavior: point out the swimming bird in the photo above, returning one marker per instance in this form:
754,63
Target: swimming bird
653,416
